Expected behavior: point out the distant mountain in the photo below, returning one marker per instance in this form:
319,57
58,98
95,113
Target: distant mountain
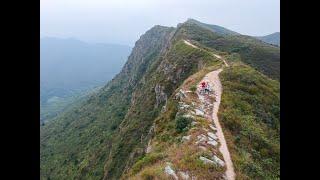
214,28
273,38
148,122
69,67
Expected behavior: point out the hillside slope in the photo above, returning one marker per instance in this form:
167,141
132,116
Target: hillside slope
70,68
273,38
132,128
262,56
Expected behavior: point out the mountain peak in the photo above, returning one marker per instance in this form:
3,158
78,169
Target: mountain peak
214,28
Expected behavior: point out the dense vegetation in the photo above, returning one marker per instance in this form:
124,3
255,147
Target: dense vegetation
106,135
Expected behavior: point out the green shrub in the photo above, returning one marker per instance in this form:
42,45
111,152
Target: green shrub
193,88
182,123
147,160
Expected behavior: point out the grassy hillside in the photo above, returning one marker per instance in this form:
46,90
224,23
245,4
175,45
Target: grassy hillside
250,115
262,56
214,28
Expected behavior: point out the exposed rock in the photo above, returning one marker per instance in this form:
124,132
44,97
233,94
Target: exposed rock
166,67
201,138
184,175
212,142
199,112
149,148
180,95
213,136
183,106
160,95
193,123
186,138
218,161
206,160
168,170
188,116
212,127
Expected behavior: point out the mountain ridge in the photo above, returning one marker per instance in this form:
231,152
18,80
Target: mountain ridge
108,135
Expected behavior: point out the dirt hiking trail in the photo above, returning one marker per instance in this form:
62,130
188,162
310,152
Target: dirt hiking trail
213,79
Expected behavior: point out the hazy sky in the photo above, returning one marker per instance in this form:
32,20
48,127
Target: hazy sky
123,21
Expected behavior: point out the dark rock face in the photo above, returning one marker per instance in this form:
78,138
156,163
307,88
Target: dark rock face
160,95
150,45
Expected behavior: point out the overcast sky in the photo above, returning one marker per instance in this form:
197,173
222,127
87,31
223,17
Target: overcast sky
123,21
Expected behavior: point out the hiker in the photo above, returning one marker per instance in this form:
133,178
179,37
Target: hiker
207,88
203,87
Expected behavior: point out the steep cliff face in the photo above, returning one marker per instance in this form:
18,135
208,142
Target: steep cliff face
77,143
108,135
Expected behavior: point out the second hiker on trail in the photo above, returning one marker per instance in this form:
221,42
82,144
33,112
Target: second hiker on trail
207,88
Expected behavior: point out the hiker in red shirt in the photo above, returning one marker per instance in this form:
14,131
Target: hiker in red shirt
203,86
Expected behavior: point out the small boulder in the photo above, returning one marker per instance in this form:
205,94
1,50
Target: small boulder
188,116
218,160
168,170
184,175
212,135
186,138
181,94
206,160
193,123
201,138
199,112
212,142
183,106
149,147
212,127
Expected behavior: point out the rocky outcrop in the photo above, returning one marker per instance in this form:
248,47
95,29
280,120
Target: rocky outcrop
161,96
169,171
